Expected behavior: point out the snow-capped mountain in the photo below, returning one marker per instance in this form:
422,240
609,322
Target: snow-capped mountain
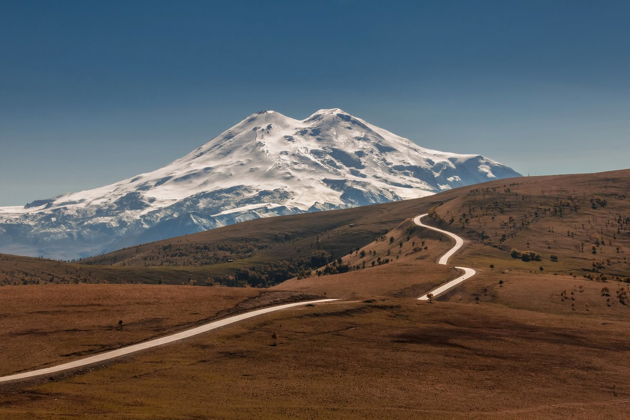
266,165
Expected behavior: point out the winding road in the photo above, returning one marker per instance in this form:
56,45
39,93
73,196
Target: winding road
124,351
459,242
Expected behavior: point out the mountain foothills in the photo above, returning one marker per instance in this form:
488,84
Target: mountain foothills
570,224
574,225
551,255
266,165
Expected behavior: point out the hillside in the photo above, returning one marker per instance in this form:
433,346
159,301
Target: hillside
572,224
575,224
543,264
258,252
267,251
470,353
45,323
580,220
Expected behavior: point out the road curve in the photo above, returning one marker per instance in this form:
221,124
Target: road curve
459,242
123,351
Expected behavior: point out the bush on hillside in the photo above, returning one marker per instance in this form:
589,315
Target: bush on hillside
525,256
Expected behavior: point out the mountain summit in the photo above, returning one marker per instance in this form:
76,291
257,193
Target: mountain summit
266,165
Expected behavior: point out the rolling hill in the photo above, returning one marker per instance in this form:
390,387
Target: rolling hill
579,220
559,331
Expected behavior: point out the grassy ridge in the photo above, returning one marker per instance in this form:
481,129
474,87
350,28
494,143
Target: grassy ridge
582,220
267,251
260,252
571,224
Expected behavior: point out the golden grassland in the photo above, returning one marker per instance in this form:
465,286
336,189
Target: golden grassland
49,324
581,220
390,358
514,341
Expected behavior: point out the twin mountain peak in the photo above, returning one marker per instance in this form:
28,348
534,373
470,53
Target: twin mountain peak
266,165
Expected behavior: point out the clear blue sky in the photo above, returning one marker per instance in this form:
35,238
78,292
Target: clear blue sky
95,91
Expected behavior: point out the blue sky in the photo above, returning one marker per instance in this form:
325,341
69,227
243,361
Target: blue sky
92,92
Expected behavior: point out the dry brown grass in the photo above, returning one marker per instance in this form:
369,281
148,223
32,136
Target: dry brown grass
408,279
542,344
584,220
400,263
50,324
386,359
546,293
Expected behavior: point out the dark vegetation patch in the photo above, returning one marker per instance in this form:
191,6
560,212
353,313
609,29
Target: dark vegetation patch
351,311
234,354
490,330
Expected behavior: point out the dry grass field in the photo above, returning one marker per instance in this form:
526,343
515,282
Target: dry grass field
392,358
407,279
49,324
400,263
581,220
514,341
546,293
